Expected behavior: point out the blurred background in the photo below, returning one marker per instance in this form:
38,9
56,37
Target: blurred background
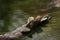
14,13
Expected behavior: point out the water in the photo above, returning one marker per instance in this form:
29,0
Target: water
50,32
18,19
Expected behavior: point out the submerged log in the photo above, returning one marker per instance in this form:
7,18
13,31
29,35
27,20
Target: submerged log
18,33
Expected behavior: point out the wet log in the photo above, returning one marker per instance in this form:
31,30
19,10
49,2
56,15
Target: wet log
32,22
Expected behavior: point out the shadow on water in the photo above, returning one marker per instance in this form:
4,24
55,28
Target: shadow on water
36,29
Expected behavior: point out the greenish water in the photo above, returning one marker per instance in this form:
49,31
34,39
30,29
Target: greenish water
18,15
